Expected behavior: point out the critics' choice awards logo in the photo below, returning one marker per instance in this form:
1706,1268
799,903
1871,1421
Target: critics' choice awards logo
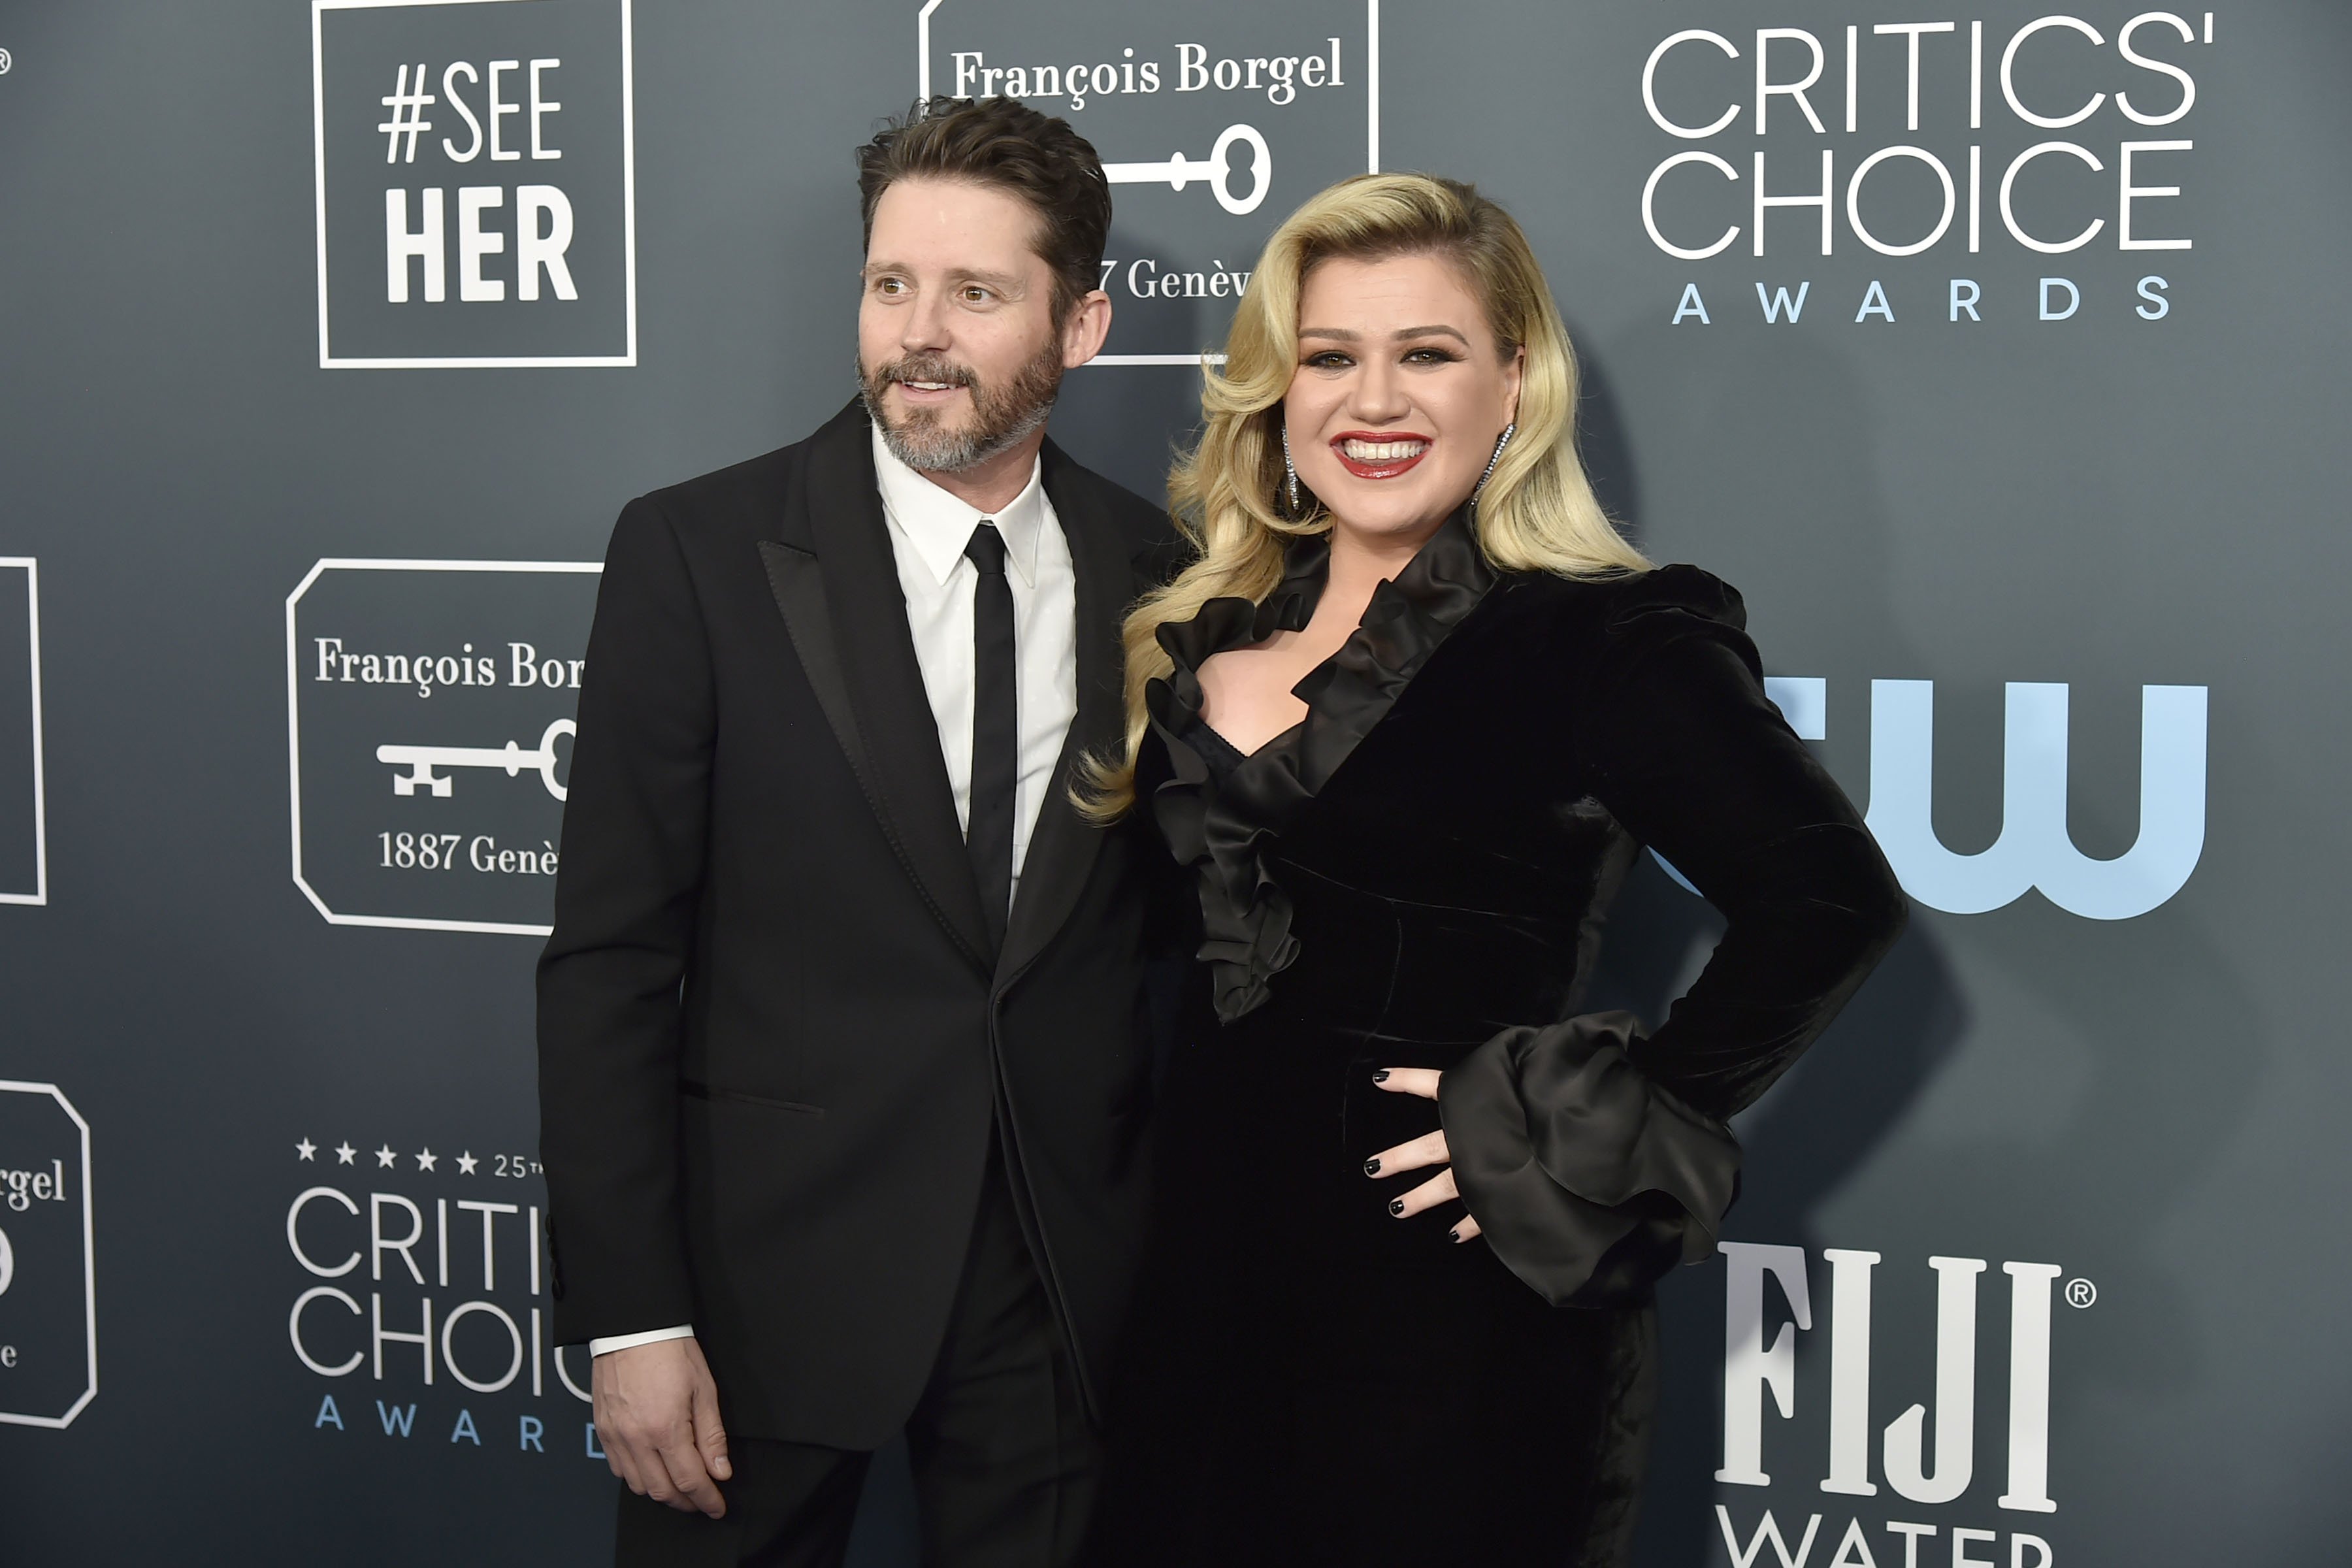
49,1312
1214,121
429,719
1805,1391
419,1294
476,201
2034,850
23,856
2033,168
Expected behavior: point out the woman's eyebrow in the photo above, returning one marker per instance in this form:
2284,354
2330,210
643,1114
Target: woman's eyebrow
1342,335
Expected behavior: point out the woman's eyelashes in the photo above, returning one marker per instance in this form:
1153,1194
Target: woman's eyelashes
1333,359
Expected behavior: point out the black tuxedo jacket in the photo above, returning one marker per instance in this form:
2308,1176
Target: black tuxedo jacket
773,1040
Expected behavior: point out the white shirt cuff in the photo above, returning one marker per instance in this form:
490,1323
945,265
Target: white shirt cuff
630,1342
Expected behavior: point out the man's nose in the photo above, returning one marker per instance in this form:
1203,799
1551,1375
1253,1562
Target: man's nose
924,328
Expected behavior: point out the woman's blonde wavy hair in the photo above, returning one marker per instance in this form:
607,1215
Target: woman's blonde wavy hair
1536,513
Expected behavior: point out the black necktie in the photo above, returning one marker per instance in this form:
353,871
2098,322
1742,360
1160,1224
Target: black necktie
995,729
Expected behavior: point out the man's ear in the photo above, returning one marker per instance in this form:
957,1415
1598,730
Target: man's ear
1088,325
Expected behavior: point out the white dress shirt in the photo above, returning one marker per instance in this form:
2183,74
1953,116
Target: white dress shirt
929,530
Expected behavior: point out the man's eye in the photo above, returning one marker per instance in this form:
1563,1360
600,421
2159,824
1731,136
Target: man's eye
888,286
976,294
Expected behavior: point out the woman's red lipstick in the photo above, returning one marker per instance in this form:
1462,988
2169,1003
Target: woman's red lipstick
1385,467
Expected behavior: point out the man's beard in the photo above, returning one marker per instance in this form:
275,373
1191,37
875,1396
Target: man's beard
1001,416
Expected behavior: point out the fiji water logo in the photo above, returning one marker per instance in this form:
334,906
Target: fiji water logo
1752,1369
2034,851
1924,1474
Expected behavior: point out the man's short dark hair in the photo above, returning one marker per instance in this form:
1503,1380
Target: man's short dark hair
1005,144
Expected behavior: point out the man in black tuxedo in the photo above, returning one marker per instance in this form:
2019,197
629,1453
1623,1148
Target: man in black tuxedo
843,1044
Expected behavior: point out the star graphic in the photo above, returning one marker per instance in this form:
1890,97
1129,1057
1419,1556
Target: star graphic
306,1149
425,1161
343,1153
384,1158
466,1163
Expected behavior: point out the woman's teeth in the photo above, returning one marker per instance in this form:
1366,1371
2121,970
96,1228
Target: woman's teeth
1382,451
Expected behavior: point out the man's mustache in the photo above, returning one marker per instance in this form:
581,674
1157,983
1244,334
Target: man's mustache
927,367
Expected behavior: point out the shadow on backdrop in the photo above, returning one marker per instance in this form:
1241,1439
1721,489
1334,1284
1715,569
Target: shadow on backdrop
1805,415
1795,418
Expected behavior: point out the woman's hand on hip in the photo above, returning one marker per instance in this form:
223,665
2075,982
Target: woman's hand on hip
1418,1152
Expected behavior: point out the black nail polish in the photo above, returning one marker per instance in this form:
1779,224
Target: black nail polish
1381,1076
1453,1236
1372,1167
1396,1205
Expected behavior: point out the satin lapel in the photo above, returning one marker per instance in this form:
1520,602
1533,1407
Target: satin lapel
848,623
1063,846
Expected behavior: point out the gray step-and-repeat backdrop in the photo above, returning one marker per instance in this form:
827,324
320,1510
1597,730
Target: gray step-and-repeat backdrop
1997,352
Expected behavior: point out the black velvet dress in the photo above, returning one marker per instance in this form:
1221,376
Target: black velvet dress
1415,876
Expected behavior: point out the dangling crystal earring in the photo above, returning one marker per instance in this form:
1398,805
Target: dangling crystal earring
1502,441
1290,473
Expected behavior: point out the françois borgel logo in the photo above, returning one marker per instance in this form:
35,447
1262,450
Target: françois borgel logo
429,725
24,860
475,189
49,1316
1213,119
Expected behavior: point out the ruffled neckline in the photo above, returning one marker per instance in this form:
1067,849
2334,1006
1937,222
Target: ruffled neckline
1226,828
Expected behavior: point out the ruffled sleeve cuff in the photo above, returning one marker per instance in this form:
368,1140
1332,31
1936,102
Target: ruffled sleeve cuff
1588,1179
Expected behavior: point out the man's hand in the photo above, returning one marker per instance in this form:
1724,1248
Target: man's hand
658,1419
1418,1154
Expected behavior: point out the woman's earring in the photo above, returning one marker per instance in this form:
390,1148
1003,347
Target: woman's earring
1290,473
1502,441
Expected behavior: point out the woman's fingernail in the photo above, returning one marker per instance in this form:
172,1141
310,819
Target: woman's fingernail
1381,1076
1454,1234
1372,1167
1396,1205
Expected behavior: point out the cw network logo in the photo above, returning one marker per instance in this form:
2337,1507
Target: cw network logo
2034,851
438,253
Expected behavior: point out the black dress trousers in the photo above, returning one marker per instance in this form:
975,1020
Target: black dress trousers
1003,1457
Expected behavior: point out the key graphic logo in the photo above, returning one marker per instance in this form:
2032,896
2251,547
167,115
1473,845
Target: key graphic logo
49,1312
430,725
1213,121
23,854
475,189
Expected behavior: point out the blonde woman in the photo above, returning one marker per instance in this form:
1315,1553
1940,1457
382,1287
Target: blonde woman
1406,719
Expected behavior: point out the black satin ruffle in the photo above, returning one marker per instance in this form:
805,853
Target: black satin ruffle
1588,1178
1226,829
